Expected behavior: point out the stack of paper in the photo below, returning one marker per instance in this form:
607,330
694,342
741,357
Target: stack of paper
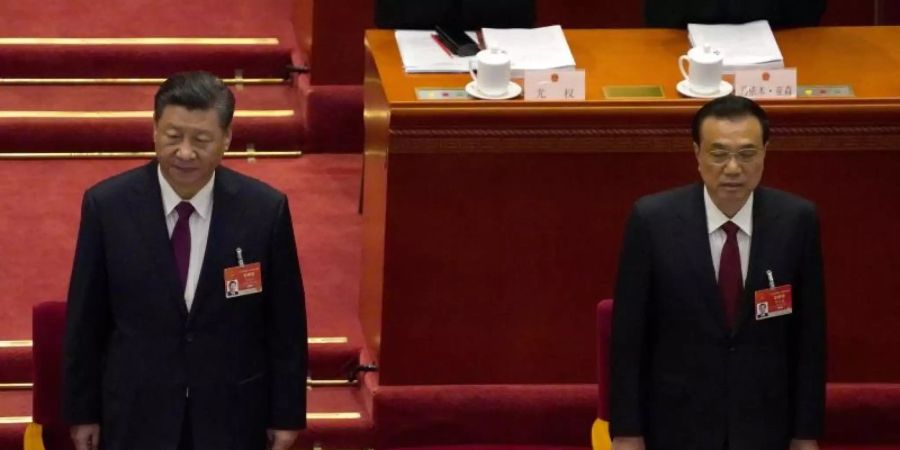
421,53
748,46
532,48
529,49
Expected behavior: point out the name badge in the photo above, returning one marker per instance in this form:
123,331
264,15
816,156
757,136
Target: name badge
773,302
243,280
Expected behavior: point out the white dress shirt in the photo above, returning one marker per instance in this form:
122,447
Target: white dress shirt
199,223
715,218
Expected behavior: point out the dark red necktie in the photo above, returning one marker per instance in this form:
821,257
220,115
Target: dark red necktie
181,241
730,279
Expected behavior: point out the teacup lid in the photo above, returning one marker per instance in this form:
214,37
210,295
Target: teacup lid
493,56
705,54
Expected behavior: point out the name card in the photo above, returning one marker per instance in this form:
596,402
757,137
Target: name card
554,85
772,83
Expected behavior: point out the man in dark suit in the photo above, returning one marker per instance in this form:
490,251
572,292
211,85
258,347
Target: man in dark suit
779,13
155,356
692,368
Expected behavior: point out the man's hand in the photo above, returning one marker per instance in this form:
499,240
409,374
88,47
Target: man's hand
629,443
804,444
86,437
281,439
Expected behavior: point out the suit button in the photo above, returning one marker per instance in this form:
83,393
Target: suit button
189,337
731,349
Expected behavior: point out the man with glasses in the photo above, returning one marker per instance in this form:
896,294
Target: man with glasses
692,365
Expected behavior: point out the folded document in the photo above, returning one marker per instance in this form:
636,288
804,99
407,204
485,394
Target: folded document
748,46
528,48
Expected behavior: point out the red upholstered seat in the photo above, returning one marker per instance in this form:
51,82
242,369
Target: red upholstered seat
48,325
862,414
497,416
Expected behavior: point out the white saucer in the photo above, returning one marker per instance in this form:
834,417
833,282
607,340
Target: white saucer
725,88
512,91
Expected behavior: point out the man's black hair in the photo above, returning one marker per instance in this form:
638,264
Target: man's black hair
196,90
730,107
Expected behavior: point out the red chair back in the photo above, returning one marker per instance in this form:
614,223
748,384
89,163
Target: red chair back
48,329
604,334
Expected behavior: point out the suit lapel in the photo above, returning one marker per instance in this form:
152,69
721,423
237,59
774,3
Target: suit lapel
764,220
695,240
147,210
227,215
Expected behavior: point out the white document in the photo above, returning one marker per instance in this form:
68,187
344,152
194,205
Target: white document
532,48
422,54
748,46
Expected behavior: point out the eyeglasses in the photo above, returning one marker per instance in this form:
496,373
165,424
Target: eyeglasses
746,155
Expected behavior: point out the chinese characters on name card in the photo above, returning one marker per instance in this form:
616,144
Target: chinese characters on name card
771,83
554,85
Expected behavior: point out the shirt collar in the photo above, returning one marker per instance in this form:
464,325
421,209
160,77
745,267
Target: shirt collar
715,218
202,201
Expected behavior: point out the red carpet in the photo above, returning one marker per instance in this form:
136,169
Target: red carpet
112,18
146,18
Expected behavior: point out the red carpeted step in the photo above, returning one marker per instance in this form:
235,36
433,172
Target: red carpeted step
119,118
110,19
144,61
15,364
11,436
332,361
15,412
350,425
15,403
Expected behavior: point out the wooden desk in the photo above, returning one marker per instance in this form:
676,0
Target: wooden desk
493,228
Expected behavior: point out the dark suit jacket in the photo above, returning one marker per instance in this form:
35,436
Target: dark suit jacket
680,376
779,13
132,349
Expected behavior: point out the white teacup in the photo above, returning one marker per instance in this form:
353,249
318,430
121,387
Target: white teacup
705,72
493,66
